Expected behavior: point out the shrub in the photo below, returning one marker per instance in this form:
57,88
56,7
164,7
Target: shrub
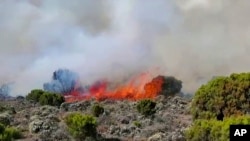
2,128
34,95
45,98
9,133
97,110
213,130
222,97
81,126
171,85
137,124
52,99
146,107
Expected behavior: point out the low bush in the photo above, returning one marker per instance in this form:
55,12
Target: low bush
97,110
81,126
45,98
52,99
34,95
146,107
213,130
9,133
137,124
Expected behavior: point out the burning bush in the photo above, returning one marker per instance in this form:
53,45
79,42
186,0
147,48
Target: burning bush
136,88
146,107
81,126
97,110
45,98
222,97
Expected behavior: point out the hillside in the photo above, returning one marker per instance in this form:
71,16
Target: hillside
119,121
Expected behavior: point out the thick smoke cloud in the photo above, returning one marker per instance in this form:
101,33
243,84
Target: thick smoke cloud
5,91
63,81
192,40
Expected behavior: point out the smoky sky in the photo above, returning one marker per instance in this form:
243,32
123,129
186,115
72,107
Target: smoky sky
192,40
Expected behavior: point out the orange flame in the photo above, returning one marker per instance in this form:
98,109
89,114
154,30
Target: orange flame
139,87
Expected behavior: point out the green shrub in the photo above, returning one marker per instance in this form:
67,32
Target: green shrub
9,133
137,124
81,126
52,99
146,107
213,130
222,97
2,108
34,95
45,98
97,110
2,128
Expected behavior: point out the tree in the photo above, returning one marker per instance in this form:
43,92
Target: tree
171,85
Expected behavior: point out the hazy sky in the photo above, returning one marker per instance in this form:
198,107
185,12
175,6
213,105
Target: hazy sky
192,40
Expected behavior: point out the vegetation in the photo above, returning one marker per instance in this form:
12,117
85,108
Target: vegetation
9,133
97,110
45,98
51,99
146,107
81,126
35,95
213,130
222,97
171,85
137,124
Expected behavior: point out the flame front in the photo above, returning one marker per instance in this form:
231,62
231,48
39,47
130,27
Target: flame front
139,87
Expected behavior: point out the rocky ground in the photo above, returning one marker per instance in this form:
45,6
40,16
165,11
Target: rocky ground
120,120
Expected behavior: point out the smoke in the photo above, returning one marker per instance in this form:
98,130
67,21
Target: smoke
5,91
63,81
192,40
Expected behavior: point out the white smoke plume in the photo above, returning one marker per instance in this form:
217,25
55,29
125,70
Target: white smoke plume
192,40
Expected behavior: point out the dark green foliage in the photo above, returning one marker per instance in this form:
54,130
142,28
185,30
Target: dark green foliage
97,110
146,107
171,85
9,133
222,97
5,119
81,126
7,108
2,108
45,98
137,124
213,130
2,128
34,95
51,99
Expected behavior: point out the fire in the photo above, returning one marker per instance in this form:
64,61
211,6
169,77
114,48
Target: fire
139,87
